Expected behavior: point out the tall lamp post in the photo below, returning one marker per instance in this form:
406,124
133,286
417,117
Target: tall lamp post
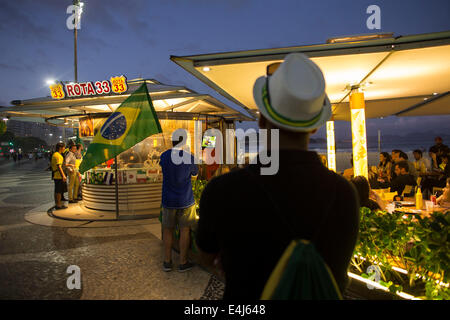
79,11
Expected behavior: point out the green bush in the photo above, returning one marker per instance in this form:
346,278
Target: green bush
198,186
418,245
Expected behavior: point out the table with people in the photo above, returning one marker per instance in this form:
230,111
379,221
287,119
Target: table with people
385,200
396,174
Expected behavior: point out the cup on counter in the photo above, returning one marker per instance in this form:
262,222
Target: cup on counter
390,207
429,205
433,199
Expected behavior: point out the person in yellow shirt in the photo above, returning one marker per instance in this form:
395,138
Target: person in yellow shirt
58,175
421,164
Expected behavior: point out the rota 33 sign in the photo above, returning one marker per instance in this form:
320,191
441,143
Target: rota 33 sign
116,85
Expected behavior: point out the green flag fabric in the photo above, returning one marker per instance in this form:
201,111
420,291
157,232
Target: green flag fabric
301,274
2,127
133,121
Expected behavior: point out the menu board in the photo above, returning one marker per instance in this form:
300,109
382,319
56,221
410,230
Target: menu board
86,127
89,126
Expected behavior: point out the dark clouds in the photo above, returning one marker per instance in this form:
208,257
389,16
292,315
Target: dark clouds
137,37
19,20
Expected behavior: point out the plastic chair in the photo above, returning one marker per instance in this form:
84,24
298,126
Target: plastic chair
408,189
389,196
380,191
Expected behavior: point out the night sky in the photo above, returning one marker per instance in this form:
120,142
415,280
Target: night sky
136,38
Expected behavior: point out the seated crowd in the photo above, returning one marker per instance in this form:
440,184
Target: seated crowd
396,172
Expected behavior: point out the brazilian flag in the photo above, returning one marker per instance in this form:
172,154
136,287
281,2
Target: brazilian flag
133,121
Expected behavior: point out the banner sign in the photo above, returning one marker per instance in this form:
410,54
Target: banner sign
89,126
86,127
117,85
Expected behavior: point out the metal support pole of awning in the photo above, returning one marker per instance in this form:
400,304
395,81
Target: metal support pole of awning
363,79
183,103
420,104
116,187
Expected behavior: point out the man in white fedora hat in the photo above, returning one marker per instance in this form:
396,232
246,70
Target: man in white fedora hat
247,219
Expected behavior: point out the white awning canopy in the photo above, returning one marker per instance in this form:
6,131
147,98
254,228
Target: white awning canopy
165,98
403,76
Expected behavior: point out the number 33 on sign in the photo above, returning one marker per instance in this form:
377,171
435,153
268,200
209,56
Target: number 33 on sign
118,84
57,91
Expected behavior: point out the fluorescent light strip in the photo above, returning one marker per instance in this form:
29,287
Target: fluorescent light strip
406,272
400,270
379,286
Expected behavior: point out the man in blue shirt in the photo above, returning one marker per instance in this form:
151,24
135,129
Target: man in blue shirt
178,205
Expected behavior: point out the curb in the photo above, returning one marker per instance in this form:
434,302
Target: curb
43,216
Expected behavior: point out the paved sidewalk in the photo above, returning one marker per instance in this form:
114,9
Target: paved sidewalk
117,259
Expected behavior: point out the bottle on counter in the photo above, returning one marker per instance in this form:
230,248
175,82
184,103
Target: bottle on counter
419,199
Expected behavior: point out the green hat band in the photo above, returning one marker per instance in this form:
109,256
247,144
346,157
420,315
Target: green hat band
282,119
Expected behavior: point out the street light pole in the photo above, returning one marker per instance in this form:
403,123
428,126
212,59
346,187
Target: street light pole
75,53
75,34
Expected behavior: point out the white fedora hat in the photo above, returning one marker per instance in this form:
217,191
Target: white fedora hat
294,97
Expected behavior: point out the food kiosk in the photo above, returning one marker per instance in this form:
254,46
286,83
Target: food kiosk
139,175
86,106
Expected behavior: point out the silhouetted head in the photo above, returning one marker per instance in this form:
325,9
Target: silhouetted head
362,186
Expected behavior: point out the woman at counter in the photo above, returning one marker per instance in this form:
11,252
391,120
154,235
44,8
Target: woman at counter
444,199
384,170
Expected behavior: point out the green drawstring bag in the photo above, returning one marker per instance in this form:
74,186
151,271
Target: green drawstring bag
301,274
